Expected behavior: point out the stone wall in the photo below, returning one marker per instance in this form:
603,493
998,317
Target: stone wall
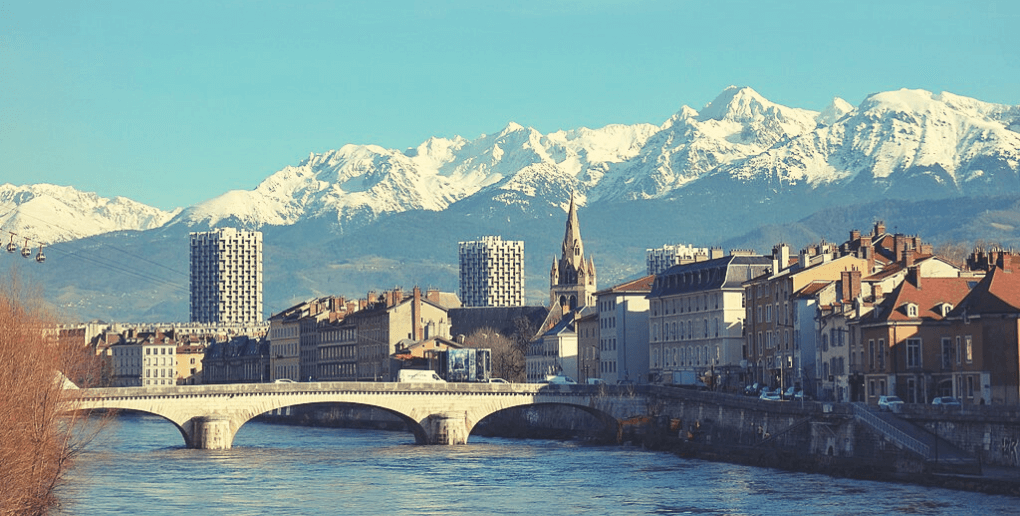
989,432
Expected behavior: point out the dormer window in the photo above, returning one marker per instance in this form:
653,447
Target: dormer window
945,308
911,310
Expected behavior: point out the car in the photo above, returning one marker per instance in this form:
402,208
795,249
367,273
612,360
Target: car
596,381
497,380
793,393
769,395
946,401
753,389
560,379
890,403
284,380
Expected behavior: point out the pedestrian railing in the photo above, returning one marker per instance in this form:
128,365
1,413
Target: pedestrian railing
894,434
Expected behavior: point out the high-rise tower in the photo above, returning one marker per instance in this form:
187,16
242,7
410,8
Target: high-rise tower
226,276
492,272
572,281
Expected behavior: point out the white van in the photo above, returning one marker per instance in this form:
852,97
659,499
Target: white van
419,376
558,379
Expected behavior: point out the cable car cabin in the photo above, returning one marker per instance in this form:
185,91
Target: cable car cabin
25,250
39,257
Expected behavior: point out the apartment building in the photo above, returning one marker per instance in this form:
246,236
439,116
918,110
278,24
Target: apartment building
623,331
492,272
697,316
661,258
226,276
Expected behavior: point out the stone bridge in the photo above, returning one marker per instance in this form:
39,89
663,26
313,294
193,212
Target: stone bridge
208,416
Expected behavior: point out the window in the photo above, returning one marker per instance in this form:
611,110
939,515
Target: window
881,357
911,310
913,352
969,344
959,356
947,353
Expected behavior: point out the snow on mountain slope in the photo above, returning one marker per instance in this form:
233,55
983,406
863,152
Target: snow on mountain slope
737,124
360,182
943,144
49,214
935,145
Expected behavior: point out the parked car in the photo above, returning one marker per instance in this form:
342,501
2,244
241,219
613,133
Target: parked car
890,403
768,395
752,390
560,379
946,401
284,380
497,380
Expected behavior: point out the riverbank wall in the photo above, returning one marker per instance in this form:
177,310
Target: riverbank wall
833,439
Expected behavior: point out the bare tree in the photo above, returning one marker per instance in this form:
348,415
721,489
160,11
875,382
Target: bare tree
40,430
507,359
955,253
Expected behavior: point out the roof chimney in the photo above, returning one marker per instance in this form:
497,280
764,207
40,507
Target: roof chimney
908,258
914,276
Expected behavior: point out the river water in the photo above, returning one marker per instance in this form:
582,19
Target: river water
139,466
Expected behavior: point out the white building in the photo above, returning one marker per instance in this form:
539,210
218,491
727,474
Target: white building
226,276
662,258
145,361
554,353
623,331
492,272
697,319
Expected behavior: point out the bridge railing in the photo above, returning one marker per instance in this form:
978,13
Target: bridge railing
366,387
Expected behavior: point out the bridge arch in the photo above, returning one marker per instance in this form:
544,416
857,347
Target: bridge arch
611,425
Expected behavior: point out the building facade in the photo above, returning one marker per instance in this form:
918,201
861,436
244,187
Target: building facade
492,272
697,318
226,276
661,258
623,331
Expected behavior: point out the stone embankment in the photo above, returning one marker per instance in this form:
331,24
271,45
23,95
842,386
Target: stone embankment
925,445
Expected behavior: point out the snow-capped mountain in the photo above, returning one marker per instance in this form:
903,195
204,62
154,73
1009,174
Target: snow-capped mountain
906,143
360,182
741,165
48,214
899,144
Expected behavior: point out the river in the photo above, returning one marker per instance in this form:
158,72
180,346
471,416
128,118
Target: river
139,466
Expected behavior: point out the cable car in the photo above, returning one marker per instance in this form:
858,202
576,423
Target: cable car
39,257
25,250
11,247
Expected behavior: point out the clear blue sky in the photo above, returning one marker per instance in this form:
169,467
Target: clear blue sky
172,103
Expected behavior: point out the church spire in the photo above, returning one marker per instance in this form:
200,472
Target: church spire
573,248
572,279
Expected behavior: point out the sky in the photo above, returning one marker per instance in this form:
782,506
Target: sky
174,103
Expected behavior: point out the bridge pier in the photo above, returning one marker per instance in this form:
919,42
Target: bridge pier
447,428
211,433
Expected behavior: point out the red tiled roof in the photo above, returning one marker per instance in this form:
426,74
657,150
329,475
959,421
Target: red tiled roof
932,294
997,292
811,288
